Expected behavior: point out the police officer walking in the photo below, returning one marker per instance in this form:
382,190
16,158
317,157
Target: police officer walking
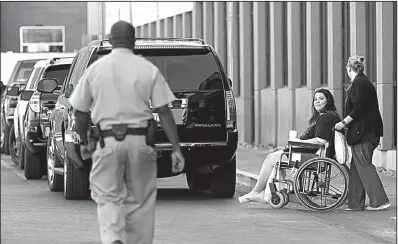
117,90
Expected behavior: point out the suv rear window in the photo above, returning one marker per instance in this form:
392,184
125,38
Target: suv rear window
58,72
34,78
185,69
21,75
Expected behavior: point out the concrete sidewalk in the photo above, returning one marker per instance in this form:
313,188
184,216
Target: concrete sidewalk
249,161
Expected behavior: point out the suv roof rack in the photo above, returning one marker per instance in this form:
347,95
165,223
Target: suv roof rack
53,60
194,40
201,41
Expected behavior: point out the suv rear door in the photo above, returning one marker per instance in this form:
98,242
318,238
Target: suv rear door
195,78
48,100
62,113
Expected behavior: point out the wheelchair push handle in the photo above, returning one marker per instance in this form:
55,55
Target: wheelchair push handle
342,131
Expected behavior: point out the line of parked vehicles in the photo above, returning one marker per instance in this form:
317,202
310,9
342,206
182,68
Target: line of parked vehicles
38,127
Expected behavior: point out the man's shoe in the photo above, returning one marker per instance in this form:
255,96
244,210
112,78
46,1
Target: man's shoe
381,207
117,242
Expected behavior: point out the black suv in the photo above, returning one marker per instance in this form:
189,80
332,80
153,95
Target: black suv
204,111
36,125
17,82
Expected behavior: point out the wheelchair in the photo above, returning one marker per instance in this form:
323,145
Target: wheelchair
315,178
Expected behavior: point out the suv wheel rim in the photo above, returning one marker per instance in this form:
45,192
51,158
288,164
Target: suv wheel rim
50,162
2,136
15,147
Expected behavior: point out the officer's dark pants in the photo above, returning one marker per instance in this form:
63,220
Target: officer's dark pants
364,178
123,184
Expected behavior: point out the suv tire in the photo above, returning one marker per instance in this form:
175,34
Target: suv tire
197,182
223,181
6,133
32,166
55,181
21,158
14,147
76,182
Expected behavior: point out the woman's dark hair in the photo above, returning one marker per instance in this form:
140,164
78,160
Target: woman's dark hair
329,107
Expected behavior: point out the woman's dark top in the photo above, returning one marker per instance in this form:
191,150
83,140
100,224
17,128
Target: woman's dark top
363,107
323,128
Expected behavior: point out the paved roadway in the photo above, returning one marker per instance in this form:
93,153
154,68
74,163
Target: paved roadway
32,214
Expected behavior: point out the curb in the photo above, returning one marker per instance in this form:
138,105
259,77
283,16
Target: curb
246,178
393,224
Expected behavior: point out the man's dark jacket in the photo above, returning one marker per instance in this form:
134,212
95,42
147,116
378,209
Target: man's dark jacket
362,105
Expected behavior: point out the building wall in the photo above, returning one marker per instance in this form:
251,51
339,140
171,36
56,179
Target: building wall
72,15
284,51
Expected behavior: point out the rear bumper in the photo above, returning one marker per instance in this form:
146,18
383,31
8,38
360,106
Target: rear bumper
199,156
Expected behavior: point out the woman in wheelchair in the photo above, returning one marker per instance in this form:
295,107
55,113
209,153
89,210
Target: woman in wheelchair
319,132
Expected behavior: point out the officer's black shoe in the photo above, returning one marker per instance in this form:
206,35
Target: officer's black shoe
117,242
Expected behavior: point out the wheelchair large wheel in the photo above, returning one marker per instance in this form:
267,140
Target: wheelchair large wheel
321,184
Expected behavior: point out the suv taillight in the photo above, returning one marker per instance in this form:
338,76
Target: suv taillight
230,122
34,103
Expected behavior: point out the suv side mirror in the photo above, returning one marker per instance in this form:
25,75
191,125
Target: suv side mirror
26,95
13,91
47,85
230,82
69,90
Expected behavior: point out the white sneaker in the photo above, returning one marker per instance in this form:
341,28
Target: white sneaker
381,207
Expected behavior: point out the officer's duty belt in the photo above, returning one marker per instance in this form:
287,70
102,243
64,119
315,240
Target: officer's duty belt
130,131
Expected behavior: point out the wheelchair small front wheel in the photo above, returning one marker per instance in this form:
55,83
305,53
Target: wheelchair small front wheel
286,196
277,201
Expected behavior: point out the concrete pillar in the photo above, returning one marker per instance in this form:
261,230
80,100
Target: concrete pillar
94,18
187,24
208,18
260,53
138,31
358,28
233,46
220,31
276,45
142,31
336,64
276,62
168,27
146,30
152,29
246,49
197,20
294,45
177,25
246,129
385,70
260,44
160,28
313,45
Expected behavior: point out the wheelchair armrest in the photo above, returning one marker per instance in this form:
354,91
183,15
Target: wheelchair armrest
305,144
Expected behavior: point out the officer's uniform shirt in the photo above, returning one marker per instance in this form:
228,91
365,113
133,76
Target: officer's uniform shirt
117,89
